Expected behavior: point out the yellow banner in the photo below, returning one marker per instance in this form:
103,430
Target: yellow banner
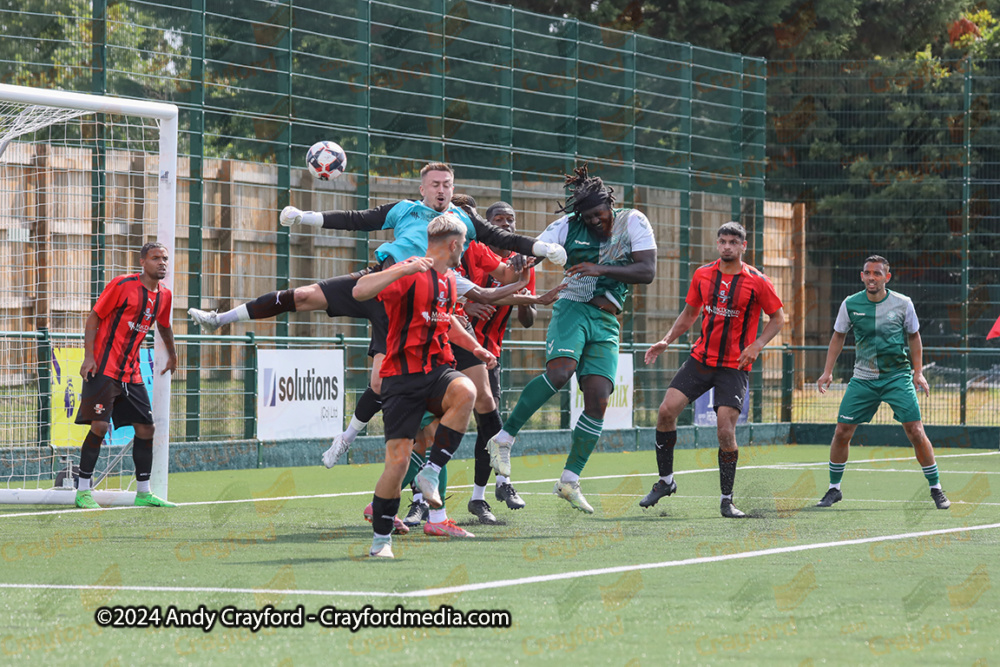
66,387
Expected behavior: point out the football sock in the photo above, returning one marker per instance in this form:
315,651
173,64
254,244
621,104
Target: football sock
237,314
836,474
532,398
352,430
502,480
416,463
665,443
89,454
142,487
569,476
418,497
142,457
271,304
585,437
931,473
478,492
727,471
383,512
442,485
437,515
446,442
487,425
369,405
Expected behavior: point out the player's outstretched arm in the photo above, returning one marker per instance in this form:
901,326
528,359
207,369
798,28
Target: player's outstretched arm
681,324
494,236
493,295
369,286
354,221
167,336
459,336
641,271
526,298
832,352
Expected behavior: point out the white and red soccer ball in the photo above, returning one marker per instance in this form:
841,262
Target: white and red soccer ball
326,160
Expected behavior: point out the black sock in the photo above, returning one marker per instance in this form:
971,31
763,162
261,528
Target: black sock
383,512
368,405
665,443
142,457
488,424
727,470
446,442
89,454
271,304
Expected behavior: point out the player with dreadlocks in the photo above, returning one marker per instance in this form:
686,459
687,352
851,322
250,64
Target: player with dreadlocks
608,250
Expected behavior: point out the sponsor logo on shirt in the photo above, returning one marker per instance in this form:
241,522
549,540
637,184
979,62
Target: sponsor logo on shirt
581,242
857,314
723,312
435,317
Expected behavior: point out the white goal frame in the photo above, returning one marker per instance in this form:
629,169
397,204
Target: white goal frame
167,115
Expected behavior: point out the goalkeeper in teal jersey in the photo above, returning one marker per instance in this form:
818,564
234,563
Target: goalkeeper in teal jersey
884,325
608,250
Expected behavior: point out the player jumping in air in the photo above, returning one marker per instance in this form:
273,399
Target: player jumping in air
884,324
419,297
730,295
608,250
408,220
112,383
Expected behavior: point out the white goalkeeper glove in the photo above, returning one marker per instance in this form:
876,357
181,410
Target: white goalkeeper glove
293,216
553,252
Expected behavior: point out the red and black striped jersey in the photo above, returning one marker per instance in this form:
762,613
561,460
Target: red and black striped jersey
730,311
127,310
489,332
419,309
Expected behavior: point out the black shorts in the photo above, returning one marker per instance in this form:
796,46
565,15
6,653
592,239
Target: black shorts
106,399
730,384
406,397
340,302
463,358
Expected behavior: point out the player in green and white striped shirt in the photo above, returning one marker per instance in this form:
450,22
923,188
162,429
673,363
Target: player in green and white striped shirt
884,325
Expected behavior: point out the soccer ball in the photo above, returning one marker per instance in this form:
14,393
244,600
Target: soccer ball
326,160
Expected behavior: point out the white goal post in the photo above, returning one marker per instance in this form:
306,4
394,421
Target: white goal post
30,110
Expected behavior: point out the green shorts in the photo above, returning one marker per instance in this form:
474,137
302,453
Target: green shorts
586,334
863,397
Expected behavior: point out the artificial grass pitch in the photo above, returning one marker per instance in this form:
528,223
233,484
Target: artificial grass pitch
247,539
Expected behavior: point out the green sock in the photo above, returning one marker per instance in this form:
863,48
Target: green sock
931,473
836,472
416,462
443,484
533,397
585,437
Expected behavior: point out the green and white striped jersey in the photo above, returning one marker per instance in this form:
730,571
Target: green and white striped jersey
880,333
630,232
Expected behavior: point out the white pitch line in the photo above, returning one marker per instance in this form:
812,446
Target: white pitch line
505,583
195,589
687,561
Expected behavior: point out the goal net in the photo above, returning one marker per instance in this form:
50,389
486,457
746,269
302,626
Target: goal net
85,180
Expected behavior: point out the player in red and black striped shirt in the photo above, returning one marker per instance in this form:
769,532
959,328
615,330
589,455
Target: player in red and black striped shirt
490,323
730,296
112,383
417,374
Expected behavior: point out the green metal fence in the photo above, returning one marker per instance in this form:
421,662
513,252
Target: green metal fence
895,158
512,99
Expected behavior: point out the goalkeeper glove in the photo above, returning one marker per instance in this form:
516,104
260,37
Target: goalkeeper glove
293,216
553,252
